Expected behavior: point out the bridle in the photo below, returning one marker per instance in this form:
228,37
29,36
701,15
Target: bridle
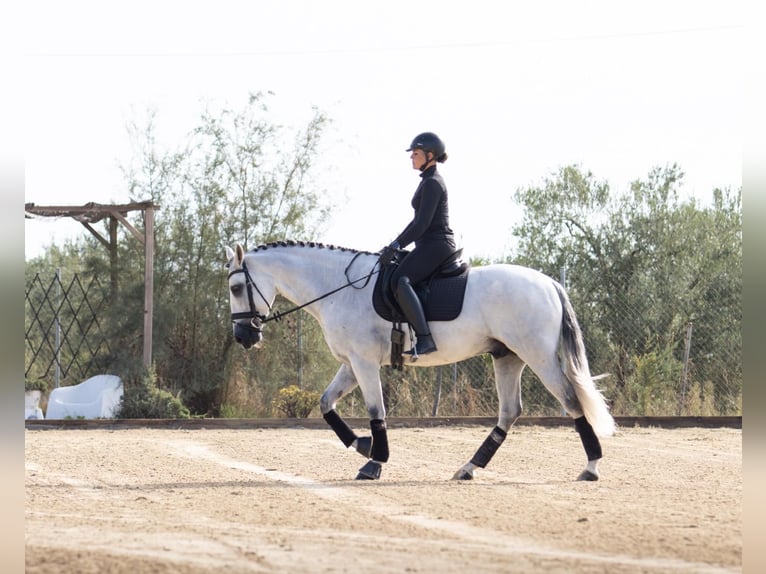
258,319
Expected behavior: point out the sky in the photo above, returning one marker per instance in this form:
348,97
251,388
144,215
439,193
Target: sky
516,91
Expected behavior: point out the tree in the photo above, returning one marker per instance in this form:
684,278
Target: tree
236,178
642,267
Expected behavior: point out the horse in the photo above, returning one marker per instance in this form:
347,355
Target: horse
516,314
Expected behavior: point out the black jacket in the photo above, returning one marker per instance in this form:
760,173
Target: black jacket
431,220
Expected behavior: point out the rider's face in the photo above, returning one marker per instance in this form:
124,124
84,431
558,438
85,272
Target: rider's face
419,158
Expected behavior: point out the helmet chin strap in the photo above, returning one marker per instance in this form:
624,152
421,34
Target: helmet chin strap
427,163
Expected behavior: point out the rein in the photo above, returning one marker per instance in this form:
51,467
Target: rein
254,315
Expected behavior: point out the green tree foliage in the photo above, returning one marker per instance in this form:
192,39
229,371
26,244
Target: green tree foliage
647,273
237,177
644,269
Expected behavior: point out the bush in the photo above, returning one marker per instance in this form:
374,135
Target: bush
35,385
143,399
650,390
294,402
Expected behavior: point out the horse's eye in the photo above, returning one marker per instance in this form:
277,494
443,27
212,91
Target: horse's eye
236,289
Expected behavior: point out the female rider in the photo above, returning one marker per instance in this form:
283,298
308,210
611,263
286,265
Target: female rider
429,230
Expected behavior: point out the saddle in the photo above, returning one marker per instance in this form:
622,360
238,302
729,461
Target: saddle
441,296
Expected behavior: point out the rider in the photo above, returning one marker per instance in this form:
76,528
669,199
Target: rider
429,229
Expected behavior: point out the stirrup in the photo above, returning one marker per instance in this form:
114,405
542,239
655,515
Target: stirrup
424,345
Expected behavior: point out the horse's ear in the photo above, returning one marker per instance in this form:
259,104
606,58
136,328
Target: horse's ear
240,254
229,253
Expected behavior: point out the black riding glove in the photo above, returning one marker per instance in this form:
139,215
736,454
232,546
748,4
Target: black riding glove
387,253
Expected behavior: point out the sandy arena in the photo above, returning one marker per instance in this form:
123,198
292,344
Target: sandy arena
144,500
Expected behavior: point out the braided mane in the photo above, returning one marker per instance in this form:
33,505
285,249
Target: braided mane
313,244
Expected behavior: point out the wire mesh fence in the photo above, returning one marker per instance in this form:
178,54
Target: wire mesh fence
649,358
691,367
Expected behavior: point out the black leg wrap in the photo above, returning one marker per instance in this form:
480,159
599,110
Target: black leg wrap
489,447
589,439
379,440
344,432
364,446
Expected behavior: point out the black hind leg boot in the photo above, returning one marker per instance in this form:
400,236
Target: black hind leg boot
413,310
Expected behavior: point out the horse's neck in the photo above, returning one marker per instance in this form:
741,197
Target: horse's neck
301,274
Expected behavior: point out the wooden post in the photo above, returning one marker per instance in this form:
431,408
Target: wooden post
148,283
112,247
93,212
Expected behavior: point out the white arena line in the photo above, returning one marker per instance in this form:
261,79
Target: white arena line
490,540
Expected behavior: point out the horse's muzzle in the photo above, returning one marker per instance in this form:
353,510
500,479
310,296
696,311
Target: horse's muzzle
248,335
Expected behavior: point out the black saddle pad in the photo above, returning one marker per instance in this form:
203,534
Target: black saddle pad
441,296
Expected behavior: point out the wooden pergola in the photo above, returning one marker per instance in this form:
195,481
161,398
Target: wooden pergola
92,213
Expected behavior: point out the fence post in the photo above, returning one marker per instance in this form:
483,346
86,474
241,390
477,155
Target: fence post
685,371
563,281
148,284
299,320
454,385
438,393
57,370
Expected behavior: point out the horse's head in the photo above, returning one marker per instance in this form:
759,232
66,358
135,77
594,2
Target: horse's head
245,297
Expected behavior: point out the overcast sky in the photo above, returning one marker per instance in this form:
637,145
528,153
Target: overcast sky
516,90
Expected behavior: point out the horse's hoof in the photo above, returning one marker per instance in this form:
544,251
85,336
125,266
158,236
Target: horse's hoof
587,475
462,474
370,471
364,446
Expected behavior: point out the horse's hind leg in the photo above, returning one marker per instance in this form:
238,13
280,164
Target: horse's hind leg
592,447
508,369
343,383
555,381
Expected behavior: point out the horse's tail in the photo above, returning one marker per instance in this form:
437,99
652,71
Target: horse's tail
576,369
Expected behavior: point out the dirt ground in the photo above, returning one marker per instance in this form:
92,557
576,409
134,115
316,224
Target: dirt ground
284,500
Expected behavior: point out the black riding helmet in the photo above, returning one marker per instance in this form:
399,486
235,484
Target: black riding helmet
429,141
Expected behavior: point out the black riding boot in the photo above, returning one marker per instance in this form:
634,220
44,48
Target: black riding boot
413,310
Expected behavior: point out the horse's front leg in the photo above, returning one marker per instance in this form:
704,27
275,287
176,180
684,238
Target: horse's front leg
368,376
342,384
379,453
508,370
